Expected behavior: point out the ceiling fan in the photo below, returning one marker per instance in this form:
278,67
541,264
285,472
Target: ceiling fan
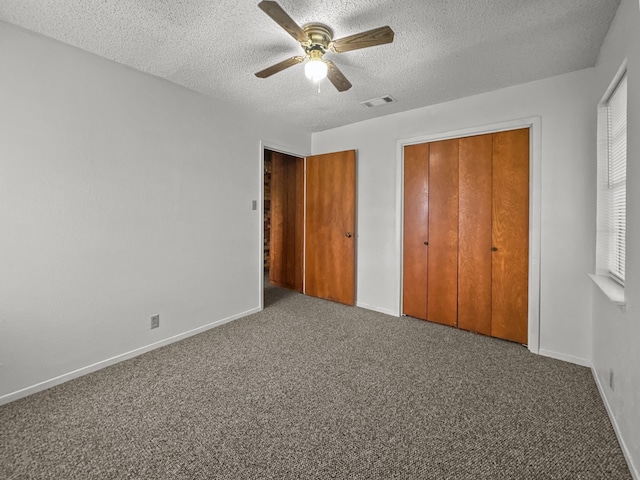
316,39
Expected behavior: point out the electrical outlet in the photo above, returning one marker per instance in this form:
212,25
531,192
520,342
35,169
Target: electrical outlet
254,204
612,385
155,321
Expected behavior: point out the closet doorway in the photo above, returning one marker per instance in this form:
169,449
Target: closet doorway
283,220
309,224
466,233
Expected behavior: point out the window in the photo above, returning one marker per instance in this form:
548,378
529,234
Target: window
612,184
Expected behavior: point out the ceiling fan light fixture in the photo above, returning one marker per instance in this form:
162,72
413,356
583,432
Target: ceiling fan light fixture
315,70
316,39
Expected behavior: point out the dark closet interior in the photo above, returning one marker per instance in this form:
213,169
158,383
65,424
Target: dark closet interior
283,219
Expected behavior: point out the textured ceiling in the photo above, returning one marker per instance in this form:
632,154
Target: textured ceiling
443,49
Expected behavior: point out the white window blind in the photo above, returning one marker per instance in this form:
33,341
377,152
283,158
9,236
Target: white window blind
616,210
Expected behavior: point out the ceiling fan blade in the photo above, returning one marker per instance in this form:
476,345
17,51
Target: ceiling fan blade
370,38
336,77
281,17
278,67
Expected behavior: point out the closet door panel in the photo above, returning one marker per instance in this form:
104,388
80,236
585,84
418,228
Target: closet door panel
287,221
474,250
295,209
416,230
277,257
442,264
510,235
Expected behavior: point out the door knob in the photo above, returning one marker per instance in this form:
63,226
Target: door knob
494,249
426,243
348,234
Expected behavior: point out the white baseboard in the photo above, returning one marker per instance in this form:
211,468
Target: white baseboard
38,387
377,309
565,358
627,456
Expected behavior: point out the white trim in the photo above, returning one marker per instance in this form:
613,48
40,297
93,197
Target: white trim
535,206
635,473
400,216
375,308
612,289
265,144
535,232
38,387
565,358
622,71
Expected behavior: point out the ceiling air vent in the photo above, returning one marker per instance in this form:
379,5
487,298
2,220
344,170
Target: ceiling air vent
376,102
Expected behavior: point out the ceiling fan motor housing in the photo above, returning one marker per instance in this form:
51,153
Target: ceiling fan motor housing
320,37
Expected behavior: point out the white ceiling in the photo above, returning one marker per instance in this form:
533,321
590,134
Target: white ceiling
443,49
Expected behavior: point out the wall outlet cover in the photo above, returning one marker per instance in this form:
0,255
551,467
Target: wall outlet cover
155,321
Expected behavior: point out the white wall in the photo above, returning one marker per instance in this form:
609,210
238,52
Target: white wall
568,175
121,196
616,335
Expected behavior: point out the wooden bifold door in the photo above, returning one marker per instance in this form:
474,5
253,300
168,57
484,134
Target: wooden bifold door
466,231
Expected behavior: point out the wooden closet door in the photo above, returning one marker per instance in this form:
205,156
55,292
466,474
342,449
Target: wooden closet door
442,264
416,230
276,238
474,250
510,235
287,221
330,253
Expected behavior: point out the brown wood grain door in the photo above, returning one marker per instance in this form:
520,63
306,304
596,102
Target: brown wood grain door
287,221
330,237
474,249
510,235
442,264
416,230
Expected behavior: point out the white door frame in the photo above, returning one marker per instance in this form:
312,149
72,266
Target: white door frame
535,206
265,144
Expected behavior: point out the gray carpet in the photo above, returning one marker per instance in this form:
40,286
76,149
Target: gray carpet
312,389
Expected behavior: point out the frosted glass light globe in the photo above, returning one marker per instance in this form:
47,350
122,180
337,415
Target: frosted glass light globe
315,70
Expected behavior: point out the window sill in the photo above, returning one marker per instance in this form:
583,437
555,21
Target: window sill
612,289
